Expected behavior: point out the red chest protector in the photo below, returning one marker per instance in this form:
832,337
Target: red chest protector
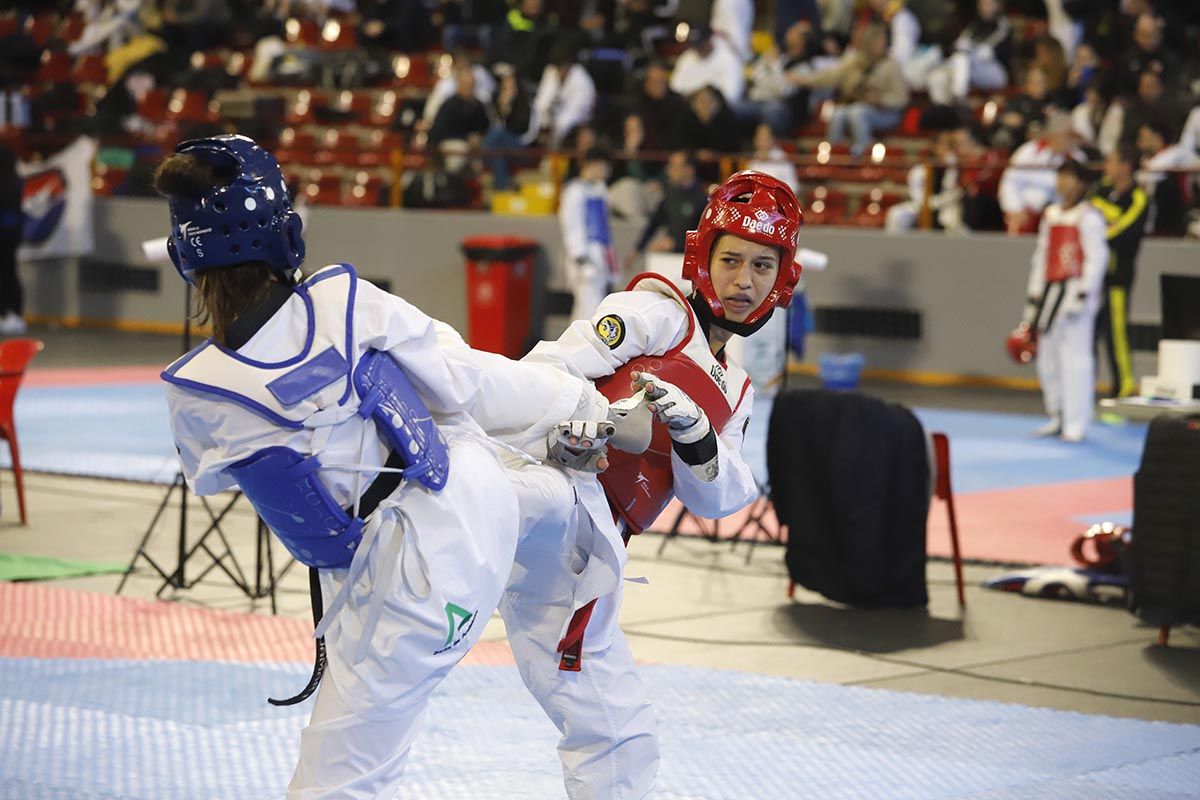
639,487
1064,254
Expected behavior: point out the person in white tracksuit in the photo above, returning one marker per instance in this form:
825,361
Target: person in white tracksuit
1063,296
348,418
583,215
654,353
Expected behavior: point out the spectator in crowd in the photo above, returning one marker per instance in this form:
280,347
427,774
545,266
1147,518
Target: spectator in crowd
904,35
683,201
1147,51
708,61
523,39
395,24
462,116
565,96
1125,208
628,162
512,125
583,216
872,94
807,12
191,25
663,110
1028,184
447,87
107,26
1084,71
1098,119
1023,113
946,203
773,98
770,158
734,21
711,128
1168,216
1152,102
12,306
980,58
635,26
436,184
1049,57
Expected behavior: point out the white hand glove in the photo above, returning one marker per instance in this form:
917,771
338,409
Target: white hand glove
686,422
580,445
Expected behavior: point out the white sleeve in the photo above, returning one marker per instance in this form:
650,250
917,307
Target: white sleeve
385,322
520,401
1093,235
916,184
734,486
573,220
577,102
1012,184
192,418
544,98
1190,137
905,33
438,95
1037,269
731,77
646,323
682,81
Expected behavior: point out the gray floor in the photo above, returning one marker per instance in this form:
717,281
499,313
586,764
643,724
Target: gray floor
704,604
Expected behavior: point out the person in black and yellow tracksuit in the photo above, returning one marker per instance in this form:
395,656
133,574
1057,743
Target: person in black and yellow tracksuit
1124,205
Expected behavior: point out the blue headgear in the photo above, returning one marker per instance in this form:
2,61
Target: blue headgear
251,219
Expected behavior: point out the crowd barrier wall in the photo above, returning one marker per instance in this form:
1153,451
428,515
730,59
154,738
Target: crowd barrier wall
962,293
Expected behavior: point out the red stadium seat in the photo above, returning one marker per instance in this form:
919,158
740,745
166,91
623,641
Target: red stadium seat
413,70
872,211
339,35
825,206
107,180
41,28
356,106
820,169
9,25
55,67
302,32
296,147
337,149
72,27
383,110
377,152
366,190
303,109
90,70
153,106
323,189
191,106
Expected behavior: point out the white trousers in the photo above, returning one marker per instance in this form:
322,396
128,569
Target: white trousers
609,743
589,284
1066,367
444,585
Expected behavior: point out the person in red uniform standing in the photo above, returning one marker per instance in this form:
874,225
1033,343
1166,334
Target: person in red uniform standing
657,353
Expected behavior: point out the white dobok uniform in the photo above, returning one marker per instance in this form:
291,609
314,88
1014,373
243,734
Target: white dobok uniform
434,564
609,748
1064,294
590,265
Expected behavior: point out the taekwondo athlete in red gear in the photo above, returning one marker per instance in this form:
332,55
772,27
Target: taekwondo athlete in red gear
348,419
1066,279
654,352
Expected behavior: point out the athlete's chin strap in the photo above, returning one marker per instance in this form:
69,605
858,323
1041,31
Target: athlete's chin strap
708,318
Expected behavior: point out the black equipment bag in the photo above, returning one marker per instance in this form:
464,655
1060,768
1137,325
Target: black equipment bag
850,478
1164,561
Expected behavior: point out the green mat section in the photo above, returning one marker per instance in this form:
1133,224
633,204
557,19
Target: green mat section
36,568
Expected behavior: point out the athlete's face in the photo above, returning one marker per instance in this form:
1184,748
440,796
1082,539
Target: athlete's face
743,273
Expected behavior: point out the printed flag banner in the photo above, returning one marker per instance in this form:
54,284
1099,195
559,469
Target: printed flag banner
58,204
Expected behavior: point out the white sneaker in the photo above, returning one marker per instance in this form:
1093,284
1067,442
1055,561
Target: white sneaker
1051,428
1071,438
12,324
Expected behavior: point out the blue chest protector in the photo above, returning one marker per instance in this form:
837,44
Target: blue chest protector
281,483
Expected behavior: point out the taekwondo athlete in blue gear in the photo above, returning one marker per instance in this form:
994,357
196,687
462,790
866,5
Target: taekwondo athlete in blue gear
591,266
352,430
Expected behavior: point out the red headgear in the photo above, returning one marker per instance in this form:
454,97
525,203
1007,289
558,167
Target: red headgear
1022,344
755,206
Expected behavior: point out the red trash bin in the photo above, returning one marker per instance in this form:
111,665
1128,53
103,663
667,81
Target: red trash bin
499,291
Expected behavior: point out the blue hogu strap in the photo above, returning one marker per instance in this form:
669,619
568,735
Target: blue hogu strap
389,398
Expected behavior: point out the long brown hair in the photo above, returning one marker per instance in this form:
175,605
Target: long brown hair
225,293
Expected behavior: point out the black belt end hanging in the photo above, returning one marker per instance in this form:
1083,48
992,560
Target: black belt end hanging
319,660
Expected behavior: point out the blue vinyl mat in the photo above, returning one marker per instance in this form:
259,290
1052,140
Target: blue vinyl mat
89,729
